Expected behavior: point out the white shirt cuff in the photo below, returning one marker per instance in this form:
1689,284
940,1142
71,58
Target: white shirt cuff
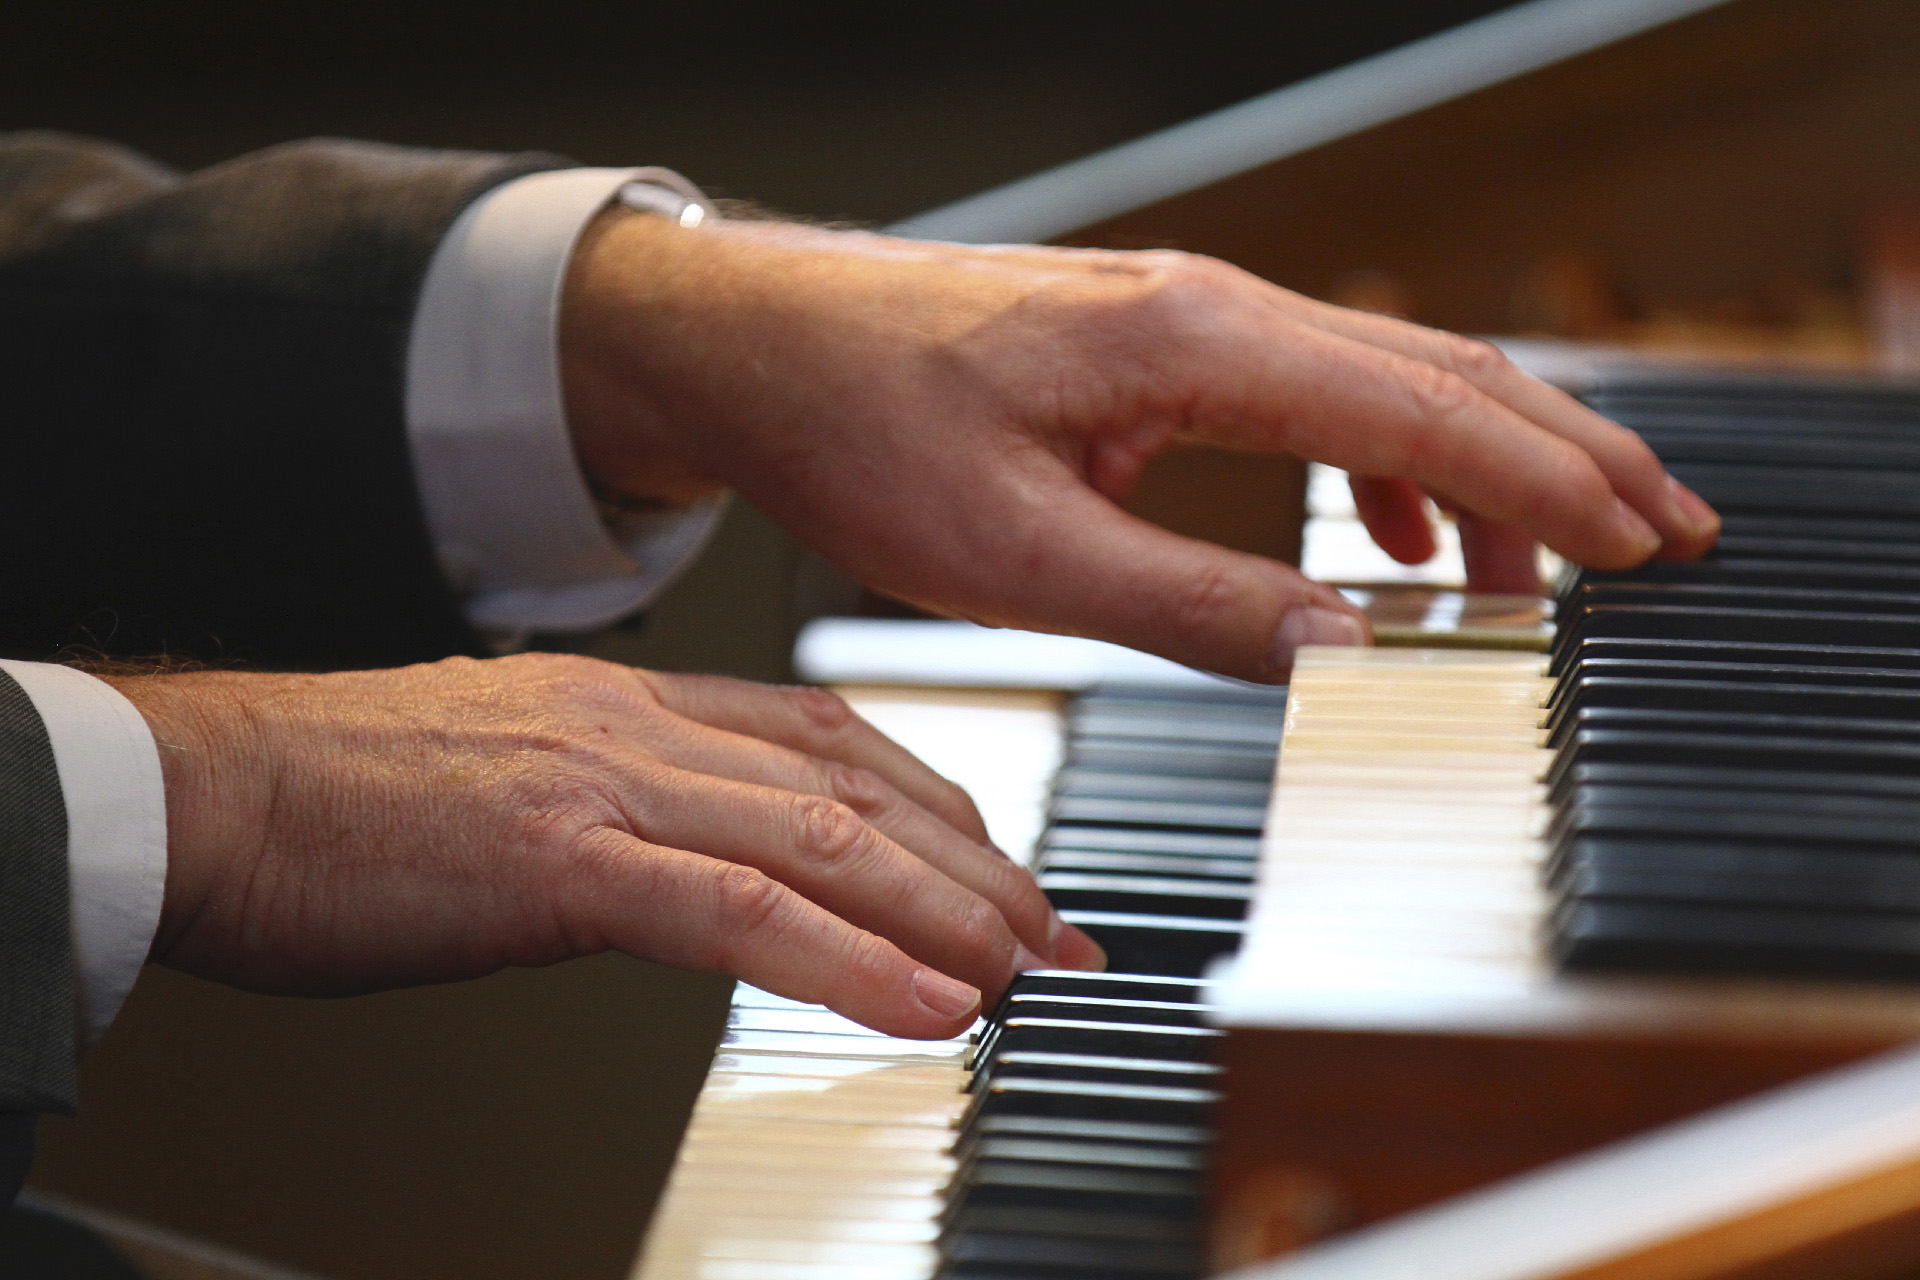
116,830
515,528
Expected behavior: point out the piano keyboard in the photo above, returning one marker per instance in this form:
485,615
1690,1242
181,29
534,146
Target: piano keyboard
1730,791
1509,911
1736,784
1067,1135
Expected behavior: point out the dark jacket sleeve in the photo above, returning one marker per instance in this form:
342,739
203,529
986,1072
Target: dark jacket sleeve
201,401
36,954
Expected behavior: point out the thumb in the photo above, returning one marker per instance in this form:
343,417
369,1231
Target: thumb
1097,571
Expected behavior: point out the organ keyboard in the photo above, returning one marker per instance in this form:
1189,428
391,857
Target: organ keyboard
1507,914
1506,911
1066,1135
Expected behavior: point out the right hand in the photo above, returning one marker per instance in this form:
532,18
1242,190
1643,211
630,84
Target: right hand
955,425
349,832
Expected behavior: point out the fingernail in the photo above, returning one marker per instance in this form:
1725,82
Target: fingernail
1310,624
948,997
1073,949
1635,529
1693,510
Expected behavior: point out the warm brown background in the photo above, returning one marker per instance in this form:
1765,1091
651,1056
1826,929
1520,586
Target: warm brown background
520,1126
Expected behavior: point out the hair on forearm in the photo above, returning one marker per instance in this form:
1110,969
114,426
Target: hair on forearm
735,210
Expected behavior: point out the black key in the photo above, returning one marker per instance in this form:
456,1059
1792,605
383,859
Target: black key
1161,1104
1115,984
1841,702
1861,530
1104,1039
1198,844
1596,594
1124,1132
1029,1006
1740,651
1688,810
1726,672
1016,1257
1818,450
1777,874
1145,895
1839,548
1101,1007
1070,1186
1218,691
1734,626
1182,1144
1094,1069
1735,723
1170,726
1760,828
1188,759
1733,750
1178,946
1148,864
1082,1223
1852,491
1127,785
1687,937
1772,572
1071,810
1190,1158
1746,780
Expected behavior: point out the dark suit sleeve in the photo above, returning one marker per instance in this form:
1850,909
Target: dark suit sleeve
37,1025
201,401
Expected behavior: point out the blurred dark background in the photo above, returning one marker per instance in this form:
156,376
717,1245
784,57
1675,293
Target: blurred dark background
869,111
521,1126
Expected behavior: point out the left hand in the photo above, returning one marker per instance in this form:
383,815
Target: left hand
366,829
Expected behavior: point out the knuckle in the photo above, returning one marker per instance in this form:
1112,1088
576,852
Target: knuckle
1170,290
1476,358
1202,599
827,831
1018,889
746,901
1437,394
869,953
823,709
563,671
956,796
859,789
1637,455
568,799
981,930
1579,492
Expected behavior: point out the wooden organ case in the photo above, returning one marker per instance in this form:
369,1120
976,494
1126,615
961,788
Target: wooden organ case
1733,188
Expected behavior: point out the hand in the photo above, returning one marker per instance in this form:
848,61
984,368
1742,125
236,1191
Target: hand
339,833
954,425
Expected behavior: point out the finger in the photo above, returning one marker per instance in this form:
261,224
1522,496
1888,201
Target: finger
1686,524
681,909
1500,558
1395,513
975,866
825,852
819,723
1086,567
1378,413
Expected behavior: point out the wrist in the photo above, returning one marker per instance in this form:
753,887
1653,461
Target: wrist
214,776
618,321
